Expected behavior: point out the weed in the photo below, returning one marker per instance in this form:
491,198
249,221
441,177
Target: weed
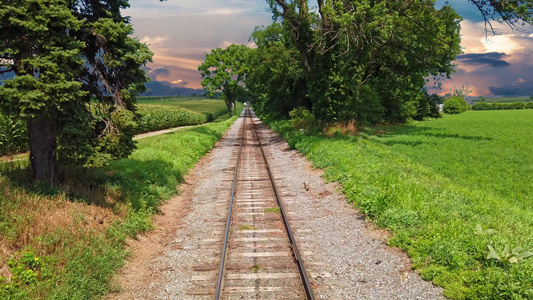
256,267
247,227
274,210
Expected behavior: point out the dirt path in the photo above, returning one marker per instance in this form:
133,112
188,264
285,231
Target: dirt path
349,259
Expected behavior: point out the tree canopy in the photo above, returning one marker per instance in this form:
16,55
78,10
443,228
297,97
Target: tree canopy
361,60
225,70
77,72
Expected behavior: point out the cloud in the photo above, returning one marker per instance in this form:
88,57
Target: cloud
492,59
165,88
519,88
157,72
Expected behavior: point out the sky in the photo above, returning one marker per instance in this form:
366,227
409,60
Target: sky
181,32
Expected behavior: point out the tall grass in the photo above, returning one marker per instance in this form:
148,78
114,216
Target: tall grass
449,190
13,136
68,242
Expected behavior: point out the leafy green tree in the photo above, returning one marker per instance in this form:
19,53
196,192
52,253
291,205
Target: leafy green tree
77,72
276,82
367,60
225,70
531,97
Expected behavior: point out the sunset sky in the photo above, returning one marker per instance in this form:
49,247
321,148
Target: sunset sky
180,32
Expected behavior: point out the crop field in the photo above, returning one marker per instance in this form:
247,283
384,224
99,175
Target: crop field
74,245
200,106
456,194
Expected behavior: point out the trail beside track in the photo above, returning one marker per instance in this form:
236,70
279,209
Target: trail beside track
344,257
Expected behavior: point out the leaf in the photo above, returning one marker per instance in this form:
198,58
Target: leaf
525,254
492,253
479,229
513,260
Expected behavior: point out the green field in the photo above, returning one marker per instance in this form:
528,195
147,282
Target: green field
447,189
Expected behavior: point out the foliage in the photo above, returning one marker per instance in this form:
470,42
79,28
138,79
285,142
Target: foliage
225,70
13,136
157,117
77,72
502,106
347,52
301,118
73,255
455,105
444,209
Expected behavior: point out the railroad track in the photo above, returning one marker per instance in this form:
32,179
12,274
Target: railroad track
260,258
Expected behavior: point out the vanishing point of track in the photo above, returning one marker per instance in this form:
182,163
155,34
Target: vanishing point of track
260,258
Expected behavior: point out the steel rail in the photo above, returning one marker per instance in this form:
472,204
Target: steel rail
223,261
297,258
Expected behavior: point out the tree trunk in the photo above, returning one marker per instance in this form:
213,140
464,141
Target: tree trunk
235,106
42,148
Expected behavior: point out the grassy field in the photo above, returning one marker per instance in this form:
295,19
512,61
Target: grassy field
456,193
68,242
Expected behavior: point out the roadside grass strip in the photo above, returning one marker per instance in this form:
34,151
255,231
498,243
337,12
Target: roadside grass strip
456,194
68,242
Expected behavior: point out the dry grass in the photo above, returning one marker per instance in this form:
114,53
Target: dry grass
349,128
34,217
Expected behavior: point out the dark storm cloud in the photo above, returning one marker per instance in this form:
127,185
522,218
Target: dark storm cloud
492,59
156,72
518,89
165,88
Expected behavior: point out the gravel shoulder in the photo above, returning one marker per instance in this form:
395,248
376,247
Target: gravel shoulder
350,258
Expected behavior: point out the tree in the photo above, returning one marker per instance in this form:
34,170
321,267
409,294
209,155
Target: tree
531,97
76,76
225,70
513,13
368,60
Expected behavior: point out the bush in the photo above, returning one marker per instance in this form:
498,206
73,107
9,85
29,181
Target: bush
482,106
455,105
302,118
502,106
157,117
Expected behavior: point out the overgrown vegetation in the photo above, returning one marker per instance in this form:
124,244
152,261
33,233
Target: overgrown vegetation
456,193
502,106
13,136
67,242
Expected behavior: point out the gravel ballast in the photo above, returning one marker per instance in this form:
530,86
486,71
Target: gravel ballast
348,259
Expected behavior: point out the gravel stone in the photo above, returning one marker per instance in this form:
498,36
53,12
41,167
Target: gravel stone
345,257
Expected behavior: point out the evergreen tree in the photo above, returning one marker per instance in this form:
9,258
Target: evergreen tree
76,76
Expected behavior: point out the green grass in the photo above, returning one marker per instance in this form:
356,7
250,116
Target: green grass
446,189
55,245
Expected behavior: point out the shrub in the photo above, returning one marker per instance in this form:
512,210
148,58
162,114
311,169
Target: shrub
302,118
482,106
517,105
455,105
529,105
